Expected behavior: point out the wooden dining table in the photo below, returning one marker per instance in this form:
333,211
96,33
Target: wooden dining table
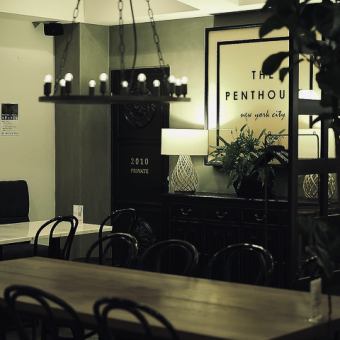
198,308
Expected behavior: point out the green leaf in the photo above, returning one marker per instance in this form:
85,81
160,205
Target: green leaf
272,23
273,62
283,72
222,139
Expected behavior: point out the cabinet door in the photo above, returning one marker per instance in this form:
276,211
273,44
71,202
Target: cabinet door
188,231
191,232
219,236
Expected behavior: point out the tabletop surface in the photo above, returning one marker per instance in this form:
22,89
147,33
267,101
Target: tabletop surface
198,308
25,231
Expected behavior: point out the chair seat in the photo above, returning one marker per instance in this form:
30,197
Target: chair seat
17,251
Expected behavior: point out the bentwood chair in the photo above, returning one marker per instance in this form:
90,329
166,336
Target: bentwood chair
53,320
53,250
170,256
121,220
118,249
57,252
243,263
103,307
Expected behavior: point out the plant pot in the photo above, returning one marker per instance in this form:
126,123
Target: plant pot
252,187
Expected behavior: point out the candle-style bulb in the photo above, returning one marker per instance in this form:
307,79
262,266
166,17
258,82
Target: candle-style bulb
92,87
184,80
103,77
156,90
68,77
68,82
62,84
171,85
178,87
47,85
141,84
124,87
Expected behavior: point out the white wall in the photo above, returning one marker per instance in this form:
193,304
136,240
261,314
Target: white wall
43,9
26,55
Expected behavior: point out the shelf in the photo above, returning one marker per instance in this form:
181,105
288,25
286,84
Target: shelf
310,107
114,99
313,166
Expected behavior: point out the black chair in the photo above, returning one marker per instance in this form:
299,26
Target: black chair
102,308
53,250
14,202
117,249
53,319
170,256
121,220
243,263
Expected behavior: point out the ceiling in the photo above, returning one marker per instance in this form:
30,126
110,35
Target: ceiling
105,12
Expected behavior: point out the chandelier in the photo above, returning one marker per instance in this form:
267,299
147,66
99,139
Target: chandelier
132,90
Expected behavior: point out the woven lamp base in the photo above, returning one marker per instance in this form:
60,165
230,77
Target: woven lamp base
311,185
184,176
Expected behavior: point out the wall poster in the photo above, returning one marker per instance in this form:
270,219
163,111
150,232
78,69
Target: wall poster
9,120
236,91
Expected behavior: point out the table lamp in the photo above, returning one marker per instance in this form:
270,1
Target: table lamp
184,143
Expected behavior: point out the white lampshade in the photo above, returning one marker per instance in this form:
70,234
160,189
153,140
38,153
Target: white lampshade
309,94
184,142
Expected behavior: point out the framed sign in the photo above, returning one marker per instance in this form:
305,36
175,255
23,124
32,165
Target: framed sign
236,91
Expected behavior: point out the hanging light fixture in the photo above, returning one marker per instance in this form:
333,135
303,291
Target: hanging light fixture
132,90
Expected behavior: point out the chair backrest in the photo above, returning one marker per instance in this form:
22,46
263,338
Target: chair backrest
170,256
120,248
121,220
103,307
242,262
53,312
53,224
14,202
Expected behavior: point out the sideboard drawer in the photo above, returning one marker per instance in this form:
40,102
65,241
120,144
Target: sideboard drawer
186,211
223,213
258,216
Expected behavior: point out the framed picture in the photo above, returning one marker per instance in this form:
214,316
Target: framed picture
236,91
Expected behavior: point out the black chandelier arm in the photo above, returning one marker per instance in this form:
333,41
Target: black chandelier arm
66,48
135,42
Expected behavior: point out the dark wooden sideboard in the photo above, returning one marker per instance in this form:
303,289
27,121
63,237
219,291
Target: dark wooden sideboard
212,221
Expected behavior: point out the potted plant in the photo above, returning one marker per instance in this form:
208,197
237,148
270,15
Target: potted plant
247,161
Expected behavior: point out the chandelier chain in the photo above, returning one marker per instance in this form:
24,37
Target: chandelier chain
121,35
67,46
155,35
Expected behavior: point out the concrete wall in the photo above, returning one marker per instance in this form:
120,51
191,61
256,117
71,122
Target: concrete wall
26,56
83,132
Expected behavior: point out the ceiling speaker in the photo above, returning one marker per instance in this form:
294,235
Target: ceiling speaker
53,29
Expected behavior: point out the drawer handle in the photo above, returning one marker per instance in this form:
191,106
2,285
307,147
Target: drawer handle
185,212
258,218
221,215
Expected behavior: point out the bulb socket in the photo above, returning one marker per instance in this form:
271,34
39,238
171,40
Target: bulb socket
68,87
91,90
47,89
102,87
